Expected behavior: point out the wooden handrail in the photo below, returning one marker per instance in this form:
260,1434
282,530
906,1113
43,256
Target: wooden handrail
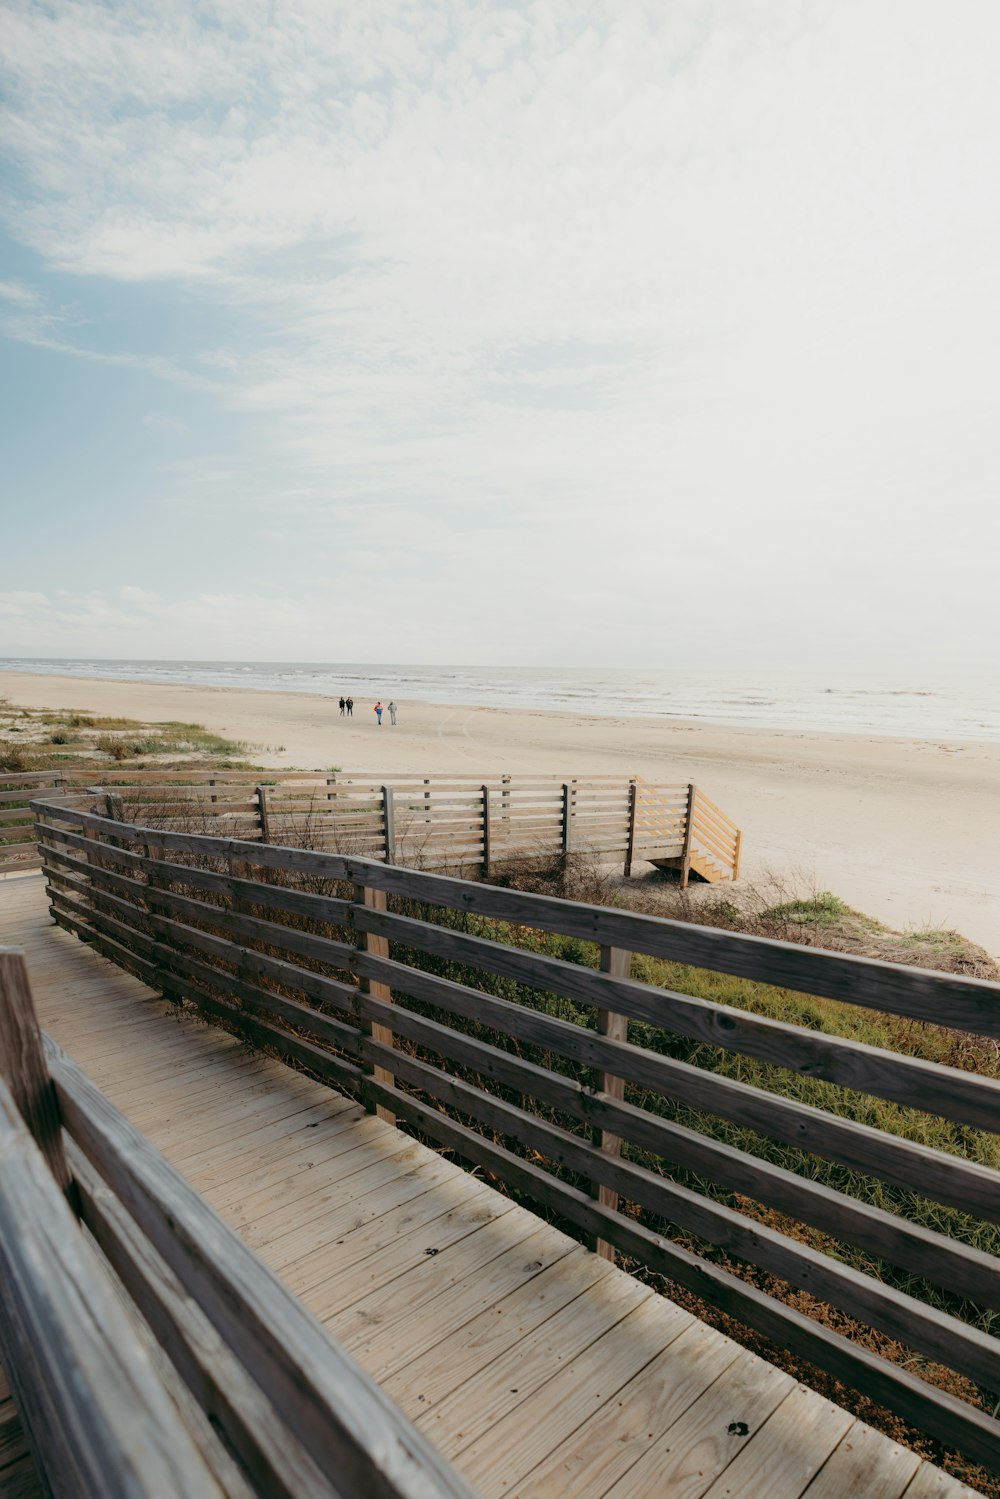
299,1415
920,994
434,820
187,945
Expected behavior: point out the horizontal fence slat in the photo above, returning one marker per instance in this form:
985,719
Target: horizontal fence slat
963,1096
211,1371
345,1423
100,1421
308,992
921,1327
969,1004
951,1420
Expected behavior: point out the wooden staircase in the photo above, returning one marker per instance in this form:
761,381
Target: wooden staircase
681,828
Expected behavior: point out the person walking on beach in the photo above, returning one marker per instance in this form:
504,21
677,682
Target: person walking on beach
392,714
378,713
350,707
343,705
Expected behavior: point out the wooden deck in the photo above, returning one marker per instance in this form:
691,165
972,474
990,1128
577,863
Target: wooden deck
536,1366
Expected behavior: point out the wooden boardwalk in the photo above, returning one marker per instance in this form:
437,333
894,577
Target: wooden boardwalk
537,1367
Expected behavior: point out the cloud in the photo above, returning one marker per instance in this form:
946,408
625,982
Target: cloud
164,424
683,312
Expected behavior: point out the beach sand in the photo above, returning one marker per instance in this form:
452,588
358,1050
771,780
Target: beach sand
905,830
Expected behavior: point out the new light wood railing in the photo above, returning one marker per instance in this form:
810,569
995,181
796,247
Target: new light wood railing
327,960
118,1409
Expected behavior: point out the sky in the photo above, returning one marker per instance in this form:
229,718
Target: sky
564,332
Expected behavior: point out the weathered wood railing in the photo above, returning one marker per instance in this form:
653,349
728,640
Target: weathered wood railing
430,820
17,826
109,1411
335,984
441,820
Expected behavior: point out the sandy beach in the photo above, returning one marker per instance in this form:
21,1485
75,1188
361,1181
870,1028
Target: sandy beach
906,830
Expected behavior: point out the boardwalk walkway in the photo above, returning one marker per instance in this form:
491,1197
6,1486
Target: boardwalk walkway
538,1368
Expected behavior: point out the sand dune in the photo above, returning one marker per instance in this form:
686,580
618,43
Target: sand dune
907,830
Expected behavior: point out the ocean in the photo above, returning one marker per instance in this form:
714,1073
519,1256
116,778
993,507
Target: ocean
961,708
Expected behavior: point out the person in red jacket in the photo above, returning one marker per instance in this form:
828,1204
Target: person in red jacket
378,713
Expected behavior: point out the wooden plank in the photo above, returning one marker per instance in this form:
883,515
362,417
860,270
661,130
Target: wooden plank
99,1420
942,1415
487,843
930,1483
30,777
619,965
520,1439
839,1215
339,1416
613,1438
715,822
477,1281
15,834
389,825
450,1212
865,1462
724,819
378,947
435,1291
707,841
630,836
444,1366
23,1066
265,831
688,828
964,1096
220,1383
970,1004
21,1481
687,1455
384,1184
473,1407
788,1451
903,1317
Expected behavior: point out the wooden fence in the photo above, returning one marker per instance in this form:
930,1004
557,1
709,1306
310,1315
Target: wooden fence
431,821
17,832
330,961
237,1391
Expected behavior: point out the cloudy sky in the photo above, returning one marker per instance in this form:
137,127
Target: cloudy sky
556,332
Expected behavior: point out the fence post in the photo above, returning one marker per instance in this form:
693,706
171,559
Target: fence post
630,838
738,853
114,807
427,800
616,962
688,825
486,833
389,822
375,900
23,1066
505,798
265,831
565,817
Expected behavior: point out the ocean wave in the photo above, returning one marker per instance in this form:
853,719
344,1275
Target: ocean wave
969,710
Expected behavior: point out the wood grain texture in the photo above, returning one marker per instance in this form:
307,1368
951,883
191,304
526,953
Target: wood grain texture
342,1420
23,1066
99,1421
456,1376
